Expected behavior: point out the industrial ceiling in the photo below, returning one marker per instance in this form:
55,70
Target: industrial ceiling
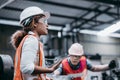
93,15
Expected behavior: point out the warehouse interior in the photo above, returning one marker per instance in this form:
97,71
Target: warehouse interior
71,21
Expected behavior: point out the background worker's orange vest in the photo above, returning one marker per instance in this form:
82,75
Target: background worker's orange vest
68,70
17,72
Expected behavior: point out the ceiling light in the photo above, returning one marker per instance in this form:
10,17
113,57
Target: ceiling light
16,23
58,28
88,32
92,32
9,22
109,30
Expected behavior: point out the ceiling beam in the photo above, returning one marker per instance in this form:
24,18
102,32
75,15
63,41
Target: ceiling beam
6,18
52,14
63,16
55,24
72,6
6,3
56,15
79,19
80,26
112,2
109,22
11,19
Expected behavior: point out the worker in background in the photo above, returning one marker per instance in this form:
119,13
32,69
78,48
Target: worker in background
77,63
29,58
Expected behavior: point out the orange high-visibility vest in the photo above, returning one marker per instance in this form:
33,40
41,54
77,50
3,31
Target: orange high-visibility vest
68,70
17,71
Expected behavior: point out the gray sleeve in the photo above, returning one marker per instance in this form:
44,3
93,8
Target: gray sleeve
59,69
28,56
89,65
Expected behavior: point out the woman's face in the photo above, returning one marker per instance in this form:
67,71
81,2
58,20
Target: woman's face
42,26
74,59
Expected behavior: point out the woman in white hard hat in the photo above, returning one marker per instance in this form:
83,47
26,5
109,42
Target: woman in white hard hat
29,57
77,63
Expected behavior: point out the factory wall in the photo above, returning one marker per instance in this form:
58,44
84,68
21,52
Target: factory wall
92,44
5,34
102,45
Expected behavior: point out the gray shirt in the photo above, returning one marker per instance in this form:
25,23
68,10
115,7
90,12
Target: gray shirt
29,54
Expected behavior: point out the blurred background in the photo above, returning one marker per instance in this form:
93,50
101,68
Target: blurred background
93,23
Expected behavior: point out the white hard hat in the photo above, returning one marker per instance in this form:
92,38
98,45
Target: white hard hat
76,49
31,11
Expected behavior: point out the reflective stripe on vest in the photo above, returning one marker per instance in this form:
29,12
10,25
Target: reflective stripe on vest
17,72
68,70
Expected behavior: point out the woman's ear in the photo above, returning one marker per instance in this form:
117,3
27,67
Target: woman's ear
35,25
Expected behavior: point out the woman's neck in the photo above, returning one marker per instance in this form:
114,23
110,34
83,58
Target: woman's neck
34,33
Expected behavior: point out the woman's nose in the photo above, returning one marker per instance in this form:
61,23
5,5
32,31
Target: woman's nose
47,26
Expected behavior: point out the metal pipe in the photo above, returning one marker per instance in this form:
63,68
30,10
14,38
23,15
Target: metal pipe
8,2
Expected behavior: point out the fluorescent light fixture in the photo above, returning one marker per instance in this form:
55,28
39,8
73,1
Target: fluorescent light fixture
58,28
115,35
110,29
59,34
92,32
88,32
16,23
9,22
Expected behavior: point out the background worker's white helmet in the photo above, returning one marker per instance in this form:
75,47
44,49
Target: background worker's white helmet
31,11
76,49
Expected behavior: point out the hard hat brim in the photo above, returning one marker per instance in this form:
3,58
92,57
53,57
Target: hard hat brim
76,54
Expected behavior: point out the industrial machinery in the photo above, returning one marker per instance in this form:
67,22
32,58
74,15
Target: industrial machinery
116,71
6,67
